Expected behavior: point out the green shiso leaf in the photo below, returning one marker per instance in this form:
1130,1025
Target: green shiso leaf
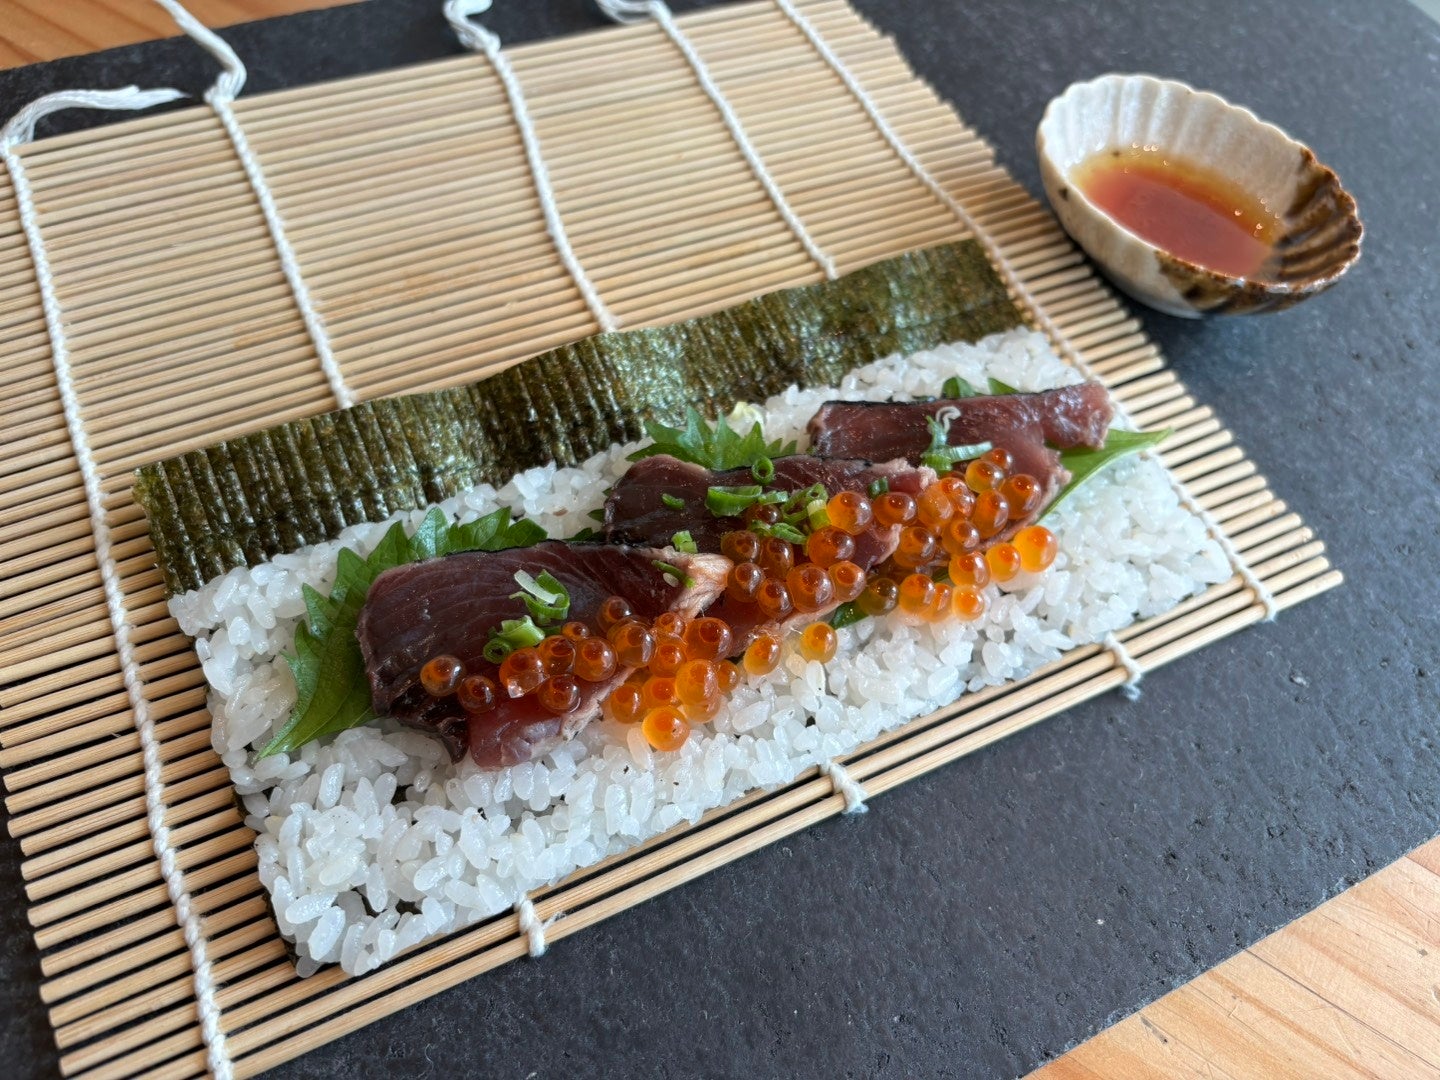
847,614
1084,463
256,496
716,448
998,387
331,691
955,387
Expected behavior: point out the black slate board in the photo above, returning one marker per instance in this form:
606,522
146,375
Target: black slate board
955,930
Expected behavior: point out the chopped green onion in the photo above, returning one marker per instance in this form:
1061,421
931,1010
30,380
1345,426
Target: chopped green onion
816,514
674,502
787,532
544,597
879,486
674,572
513,634
763,470
940,460
725,501
683,541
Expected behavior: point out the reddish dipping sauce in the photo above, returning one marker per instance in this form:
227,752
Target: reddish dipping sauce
1182,208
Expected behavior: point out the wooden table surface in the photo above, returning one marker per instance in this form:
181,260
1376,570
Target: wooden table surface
1349,990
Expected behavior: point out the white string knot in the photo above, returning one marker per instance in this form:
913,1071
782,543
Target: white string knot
846,785
20,129
219,97
634,11
478,39
1131,686
532,926
1012,279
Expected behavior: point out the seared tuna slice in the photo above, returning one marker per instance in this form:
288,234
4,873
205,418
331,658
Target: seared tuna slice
449,606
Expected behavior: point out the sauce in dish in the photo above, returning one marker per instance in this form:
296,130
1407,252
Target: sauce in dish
1183,208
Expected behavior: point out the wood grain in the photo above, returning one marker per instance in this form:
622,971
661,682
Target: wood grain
1347,991
32,31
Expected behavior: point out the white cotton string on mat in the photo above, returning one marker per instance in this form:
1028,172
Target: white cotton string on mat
478,39
1133,671
1016,284
219,97
532,926
21,129
634,11
846,785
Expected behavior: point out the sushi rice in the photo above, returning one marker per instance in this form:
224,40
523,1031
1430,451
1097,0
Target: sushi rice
373,841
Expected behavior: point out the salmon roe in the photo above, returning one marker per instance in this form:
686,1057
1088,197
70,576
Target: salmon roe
764,513
1023,492
968,603
1004,562
594,660
697,682
575,631
774,599
970,569
625,704
933,509
521,672
633,644
763,655
983,475
879,596
559,694
744,581
962,499
917,547
613,609
558,654
660,690
668,624
776,556
1001,458
848,579
665,728
728,676
669,655
476,694
818,642
740,546
698,712
894,508
850,511
939,603
441,674
916,592
1037,546
960,535
810,587
991,514
829,545
708,639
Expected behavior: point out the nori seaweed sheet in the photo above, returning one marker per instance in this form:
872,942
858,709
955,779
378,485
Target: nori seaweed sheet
248,499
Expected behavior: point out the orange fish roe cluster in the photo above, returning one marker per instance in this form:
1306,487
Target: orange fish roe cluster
681,670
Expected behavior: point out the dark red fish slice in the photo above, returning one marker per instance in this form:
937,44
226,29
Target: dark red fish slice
636,513
449,606
1020,423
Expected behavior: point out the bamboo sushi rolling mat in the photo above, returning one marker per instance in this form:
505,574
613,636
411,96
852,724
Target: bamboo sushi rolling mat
413,215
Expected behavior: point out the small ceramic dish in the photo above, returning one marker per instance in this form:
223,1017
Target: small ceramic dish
1316,234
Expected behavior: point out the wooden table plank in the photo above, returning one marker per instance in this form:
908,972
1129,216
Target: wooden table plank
1347,991
38,30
